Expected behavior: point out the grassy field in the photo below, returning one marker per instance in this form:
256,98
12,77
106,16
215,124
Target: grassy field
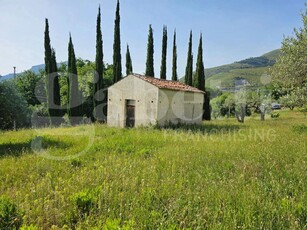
222,175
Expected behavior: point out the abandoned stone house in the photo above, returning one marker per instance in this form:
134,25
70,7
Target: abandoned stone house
137,100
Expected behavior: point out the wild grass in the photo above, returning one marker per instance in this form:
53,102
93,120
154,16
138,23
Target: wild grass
222,175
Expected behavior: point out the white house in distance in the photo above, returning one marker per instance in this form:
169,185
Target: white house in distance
137,100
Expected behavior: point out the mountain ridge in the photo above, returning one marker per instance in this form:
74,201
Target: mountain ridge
245,72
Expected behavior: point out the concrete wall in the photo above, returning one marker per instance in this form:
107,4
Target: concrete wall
132,88
179,107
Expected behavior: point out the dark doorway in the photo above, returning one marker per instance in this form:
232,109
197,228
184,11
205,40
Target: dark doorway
130,113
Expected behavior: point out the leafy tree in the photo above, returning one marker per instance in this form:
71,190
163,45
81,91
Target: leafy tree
238,103
290,70
174,67
219,107
98,92
260,102
117,64
108,75
129,69
189,68
295,98
164,53
74,107
26,84
150,55
14,108
64,83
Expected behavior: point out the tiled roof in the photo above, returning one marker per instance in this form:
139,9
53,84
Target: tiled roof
166,84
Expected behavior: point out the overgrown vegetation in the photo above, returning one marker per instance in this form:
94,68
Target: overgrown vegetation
10,216
222,175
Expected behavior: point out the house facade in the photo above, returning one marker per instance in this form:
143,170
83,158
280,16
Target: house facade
137,100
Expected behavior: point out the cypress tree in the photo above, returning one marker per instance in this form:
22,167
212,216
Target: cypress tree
199,80
207,108
47,49
52,79
129,69
48,71
98,93
174,68
74,96
199,77
150,55
56,84
117,63
164,53
189,68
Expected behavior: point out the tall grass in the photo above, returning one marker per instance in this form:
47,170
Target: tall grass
221,175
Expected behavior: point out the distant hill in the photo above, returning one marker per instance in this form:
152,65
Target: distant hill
245,72
35,69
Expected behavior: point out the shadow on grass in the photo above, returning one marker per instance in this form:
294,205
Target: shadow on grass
203,128
29,146
14,149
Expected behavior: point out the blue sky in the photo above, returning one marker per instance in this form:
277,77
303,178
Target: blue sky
232,29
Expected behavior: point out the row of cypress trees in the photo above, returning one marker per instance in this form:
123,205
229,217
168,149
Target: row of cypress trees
198,80
74,107
99,94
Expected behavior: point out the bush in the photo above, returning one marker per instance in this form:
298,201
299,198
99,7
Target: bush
83,202
275,115
10,216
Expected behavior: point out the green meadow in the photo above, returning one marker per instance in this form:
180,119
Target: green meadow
221,175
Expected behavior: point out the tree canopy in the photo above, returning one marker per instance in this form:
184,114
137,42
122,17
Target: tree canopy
290,70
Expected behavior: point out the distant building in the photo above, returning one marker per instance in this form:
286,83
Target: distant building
137,100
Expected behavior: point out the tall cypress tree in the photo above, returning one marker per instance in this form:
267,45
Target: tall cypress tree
47,49
48,72
150,55
199,80
174,68
189,68
129,69
199,77
98,93
117,63
164,53
52,79
74,96
56,84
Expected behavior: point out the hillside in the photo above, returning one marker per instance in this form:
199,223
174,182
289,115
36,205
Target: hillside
248,72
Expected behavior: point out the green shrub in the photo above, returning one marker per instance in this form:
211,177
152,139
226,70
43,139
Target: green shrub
83,202
10,216
76,163
275,115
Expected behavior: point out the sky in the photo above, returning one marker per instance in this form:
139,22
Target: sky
232,29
